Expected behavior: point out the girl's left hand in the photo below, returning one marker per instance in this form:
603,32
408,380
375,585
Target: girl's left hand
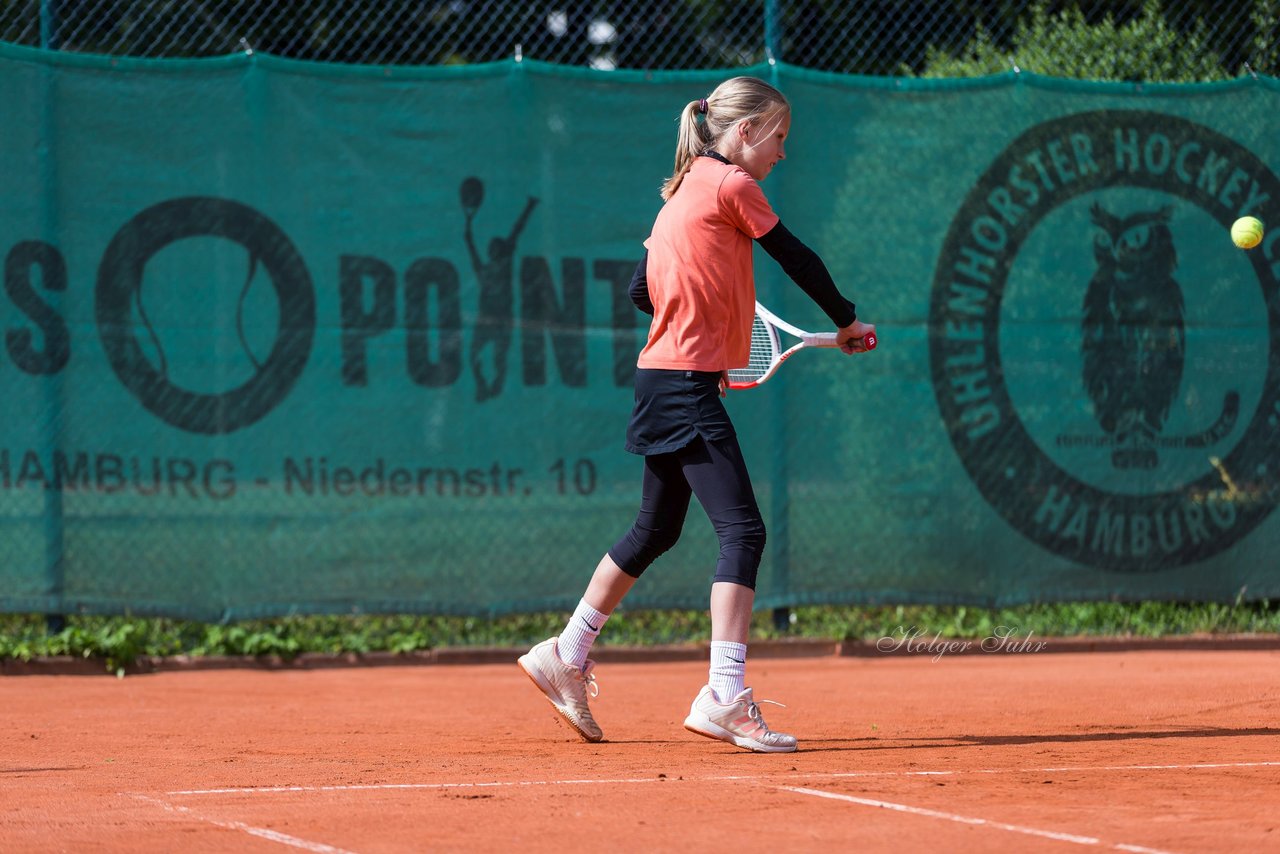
724,383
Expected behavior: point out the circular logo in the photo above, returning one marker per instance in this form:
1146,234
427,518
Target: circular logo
119,283
1097,390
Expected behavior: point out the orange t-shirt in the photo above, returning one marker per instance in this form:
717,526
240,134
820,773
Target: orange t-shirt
699,270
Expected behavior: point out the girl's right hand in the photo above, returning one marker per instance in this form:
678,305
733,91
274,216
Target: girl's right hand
850,337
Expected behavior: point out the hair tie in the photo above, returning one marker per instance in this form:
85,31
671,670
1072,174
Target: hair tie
702,106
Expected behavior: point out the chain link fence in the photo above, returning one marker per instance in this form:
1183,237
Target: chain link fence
397,472
874,37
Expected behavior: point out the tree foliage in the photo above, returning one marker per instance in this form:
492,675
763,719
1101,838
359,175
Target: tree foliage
1065,44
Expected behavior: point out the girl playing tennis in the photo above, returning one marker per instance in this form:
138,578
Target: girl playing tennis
696,280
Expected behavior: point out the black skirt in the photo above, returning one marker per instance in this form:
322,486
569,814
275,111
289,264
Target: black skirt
675,407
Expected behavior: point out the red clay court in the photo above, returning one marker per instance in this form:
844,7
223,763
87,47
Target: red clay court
1159,750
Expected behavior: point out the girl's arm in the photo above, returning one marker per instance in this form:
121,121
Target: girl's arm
806,269
640,285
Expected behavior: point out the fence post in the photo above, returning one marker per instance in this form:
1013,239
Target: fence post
779,539
772,34
50,24
54,534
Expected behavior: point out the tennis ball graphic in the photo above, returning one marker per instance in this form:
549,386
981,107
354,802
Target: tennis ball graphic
1246,232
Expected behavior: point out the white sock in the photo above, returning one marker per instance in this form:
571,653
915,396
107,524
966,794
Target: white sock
728,670
580,633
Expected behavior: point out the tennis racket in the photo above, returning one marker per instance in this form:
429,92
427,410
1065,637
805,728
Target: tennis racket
767,354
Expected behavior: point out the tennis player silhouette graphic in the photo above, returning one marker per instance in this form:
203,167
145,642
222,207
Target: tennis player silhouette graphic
495,319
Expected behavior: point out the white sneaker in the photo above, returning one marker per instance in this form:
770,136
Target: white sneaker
565,686
739,723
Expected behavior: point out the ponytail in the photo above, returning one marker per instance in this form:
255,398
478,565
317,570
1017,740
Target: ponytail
705,121
692,139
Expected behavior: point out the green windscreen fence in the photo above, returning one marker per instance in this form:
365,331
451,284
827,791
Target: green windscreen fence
283,337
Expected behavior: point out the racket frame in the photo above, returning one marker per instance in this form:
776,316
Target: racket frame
772,324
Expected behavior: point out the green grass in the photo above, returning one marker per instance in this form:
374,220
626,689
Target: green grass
120,641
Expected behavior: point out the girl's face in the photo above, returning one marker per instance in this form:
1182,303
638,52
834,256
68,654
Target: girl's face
762,143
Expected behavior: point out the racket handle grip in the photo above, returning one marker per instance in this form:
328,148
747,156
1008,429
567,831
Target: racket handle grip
869,341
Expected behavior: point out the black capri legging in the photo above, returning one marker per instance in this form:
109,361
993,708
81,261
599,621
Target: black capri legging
715,471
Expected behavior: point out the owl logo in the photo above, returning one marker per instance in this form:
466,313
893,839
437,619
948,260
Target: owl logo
1134,334
1168,492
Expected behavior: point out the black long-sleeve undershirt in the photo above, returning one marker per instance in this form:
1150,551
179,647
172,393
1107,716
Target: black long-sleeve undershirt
806,269
801,264
639,289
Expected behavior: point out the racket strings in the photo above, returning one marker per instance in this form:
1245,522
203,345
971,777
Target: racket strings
764,349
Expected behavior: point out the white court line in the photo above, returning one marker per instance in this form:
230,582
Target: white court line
1058,770
262,832
1165,767
356,787
962,819
748,778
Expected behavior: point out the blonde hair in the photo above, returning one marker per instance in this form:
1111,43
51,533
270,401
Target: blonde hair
705,121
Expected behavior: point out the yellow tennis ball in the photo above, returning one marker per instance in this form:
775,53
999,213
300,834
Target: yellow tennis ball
1246,232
